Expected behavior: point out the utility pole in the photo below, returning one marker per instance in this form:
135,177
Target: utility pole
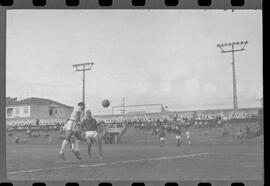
123,106
83,67
232,49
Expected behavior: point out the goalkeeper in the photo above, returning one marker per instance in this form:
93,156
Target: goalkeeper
89,127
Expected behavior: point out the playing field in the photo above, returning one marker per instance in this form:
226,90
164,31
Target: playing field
139,156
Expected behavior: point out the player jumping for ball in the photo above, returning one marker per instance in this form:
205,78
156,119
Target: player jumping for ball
71,130
89,126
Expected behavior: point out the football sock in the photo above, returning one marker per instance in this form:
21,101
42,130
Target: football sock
64,144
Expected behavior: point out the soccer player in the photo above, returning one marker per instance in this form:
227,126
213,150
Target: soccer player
50,140
188,137
70,128
162,136
175,117
89,126
178,136
240,134
17,139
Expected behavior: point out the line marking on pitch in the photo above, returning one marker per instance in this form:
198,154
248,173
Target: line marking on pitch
37,170
147,159
109,163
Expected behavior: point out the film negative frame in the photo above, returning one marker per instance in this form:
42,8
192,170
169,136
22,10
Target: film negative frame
99,4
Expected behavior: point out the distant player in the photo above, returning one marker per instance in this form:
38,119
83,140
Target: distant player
162,136
50,140
70,128
29,133
175,117
157,131
178,136
240,134
188,137
89,126
17,139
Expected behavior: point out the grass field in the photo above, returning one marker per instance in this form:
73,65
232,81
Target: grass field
139,156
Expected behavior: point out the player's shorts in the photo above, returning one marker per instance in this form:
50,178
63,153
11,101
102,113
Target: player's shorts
178,137
161,138
70,124
76,134
91,134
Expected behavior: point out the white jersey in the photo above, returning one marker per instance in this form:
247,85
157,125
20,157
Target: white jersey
73,120
188,134
178,137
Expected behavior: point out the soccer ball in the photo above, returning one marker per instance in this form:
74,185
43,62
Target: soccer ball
105,103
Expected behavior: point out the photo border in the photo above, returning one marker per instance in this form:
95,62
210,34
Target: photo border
93,4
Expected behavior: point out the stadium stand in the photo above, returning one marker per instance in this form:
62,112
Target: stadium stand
242,125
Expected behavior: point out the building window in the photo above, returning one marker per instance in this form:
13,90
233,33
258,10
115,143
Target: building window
25,110
10,112
17,110
50,112
55,111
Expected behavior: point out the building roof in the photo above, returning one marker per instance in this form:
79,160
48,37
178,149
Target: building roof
10,100
38,101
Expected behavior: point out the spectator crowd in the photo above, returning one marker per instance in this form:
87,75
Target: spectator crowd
170,121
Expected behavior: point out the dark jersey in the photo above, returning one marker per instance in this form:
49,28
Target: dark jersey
89,124
162,134
178,130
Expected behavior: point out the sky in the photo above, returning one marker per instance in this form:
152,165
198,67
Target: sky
168,57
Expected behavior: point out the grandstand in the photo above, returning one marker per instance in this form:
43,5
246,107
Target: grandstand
204,114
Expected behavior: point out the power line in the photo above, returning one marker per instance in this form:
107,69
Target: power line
124,106
232,50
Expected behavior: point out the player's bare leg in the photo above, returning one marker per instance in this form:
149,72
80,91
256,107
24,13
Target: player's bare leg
72,144
100,149
162,142
65,142
89,150
76,150
99,143
178,142
61,153
89,144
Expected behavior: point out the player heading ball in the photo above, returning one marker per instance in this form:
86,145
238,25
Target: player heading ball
71,130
